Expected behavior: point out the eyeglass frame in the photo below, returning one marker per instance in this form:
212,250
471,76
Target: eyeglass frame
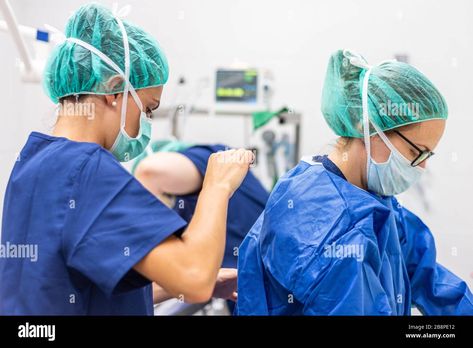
422,153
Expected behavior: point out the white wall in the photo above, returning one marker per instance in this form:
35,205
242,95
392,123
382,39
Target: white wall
294,39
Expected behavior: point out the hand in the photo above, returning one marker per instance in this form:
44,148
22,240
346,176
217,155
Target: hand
226,284
227,169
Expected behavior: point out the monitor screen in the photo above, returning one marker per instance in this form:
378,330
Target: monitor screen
236,86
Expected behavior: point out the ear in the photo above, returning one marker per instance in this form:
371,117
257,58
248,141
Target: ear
111,100
376,139
113,84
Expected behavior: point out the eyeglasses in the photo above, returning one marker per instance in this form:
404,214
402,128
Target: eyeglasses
423,154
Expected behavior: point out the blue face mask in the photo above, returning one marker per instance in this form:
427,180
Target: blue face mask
395,175
124,148
392,177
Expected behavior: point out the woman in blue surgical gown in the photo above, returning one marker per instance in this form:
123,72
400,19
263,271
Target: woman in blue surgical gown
333,239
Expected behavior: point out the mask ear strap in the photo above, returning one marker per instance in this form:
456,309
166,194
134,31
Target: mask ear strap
128,87
126,49
384,137
366,119
98,53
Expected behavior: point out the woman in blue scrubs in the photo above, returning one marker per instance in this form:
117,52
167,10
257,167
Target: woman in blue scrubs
333,239
101,237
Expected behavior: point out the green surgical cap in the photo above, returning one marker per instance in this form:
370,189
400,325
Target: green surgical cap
398,95
73,69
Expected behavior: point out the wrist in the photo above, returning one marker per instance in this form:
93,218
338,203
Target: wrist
219,189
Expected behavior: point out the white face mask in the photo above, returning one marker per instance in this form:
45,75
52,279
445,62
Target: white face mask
395,175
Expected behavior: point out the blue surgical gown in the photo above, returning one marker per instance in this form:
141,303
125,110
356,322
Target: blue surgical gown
325,247
91,222
244,207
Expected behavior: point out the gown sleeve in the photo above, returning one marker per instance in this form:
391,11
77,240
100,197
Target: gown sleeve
435,290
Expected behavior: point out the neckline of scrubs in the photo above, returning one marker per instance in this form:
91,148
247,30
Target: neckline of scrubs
329,165
47,136
55,138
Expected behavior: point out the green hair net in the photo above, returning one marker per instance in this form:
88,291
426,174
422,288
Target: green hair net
73,69
398,95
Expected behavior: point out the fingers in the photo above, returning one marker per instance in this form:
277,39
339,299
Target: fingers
239,156
227,169
227,273
234,296
244,156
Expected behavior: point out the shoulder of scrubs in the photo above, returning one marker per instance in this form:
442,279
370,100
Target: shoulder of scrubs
112,223
435,290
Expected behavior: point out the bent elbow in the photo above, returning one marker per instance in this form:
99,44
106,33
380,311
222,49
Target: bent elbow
198,296
199,287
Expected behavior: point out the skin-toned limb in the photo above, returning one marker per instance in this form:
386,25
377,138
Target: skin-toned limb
188,266
225,287
169,172
175,174
185,267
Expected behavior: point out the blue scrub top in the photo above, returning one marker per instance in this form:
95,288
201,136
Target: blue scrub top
91,222
326,247
244,207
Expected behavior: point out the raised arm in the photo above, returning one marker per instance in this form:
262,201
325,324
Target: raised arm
188,266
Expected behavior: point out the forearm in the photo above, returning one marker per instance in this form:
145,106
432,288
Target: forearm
205,236
187,267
